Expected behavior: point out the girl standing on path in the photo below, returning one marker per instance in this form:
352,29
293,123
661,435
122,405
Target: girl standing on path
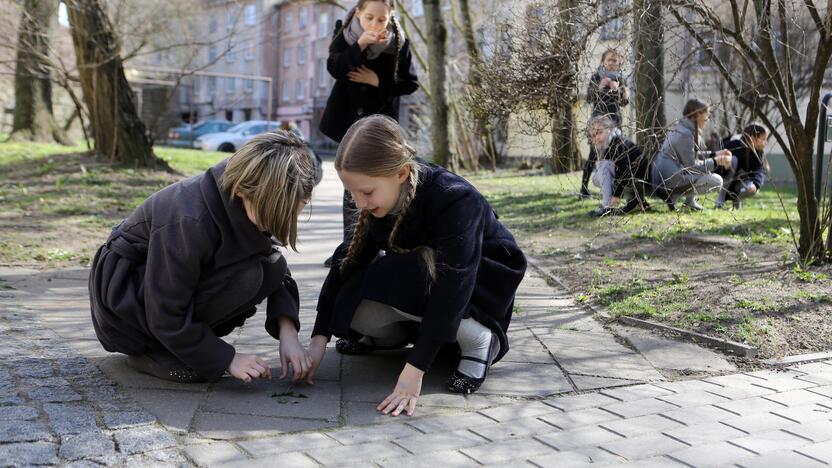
370,59
429,263
682,167
191,263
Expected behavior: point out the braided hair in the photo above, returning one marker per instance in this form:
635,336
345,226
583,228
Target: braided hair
394,23
375,146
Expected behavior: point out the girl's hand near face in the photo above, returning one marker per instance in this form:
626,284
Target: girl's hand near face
317,350
291,352
405,394
367,38
364,75
248,366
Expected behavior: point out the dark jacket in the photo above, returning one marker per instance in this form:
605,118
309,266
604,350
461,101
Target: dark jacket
479,268
144,279
751,165
606,101
349,101
631,167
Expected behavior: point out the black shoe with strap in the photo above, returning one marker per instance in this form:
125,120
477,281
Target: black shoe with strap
461,383
356,347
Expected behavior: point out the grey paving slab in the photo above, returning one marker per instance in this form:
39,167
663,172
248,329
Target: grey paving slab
579,418
805,414
93,445
424,443
778,460
686,386
713,455
174,409
704,433
750,406
635,408
69,418
17,413
515,429
364,434
525,380
352,454
817,432
698,414
673,354
287,443
115,367
294,460
29,454
215,453
770,441
825,390
591,382
445,458
583,401
14,431
637,392
450,423
578,458
507,451
641,425
695,398
576,438
143,439
519,411
821,451
230,427
644,446
275,398
799,398
762,422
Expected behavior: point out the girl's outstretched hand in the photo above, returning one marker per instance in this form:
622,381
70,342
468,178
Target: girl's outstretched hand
317,350
364,75
405,394
291,352
248,366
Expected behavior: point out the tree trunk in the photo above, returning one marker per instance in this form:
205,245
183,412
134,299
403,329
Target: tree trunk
117,129
565,155
648,44
810,244
437,35
33,119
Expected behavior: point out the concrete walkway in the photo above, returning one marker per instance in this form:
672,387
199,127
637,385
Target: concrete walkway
569,393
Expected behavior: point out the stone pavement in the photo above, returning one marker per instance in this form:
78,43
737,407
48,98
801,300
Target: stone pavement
569,393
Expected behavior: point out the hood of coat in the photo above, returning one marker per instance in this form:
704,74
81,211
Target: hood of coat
239,237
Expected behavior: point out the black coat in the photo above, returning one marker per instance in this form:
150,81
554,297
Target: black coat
607,101
349,101
631,166
144,280
479,267
751,165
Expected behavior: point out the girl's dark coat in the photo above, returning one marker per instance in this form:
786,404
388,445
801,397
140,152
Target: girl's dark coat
479,268
751,166
349,101
145,278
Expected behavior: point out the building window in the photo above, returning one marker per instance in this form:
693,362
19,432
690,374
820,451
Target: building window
250,15
212,54
416,8
322,73
212,25
230,54
287,57
613,27
323,25
230,83
249,52
286,91
301,54
287,21
249,87
212,85
230,20
301,89
302,17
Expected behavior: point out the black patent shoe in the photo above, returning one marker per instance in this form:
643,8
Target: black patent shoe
355,347
165,367
461,383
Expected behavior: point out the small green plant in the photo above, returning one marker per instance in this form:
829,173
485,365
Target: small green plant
679,279
814,297
807,276
582,297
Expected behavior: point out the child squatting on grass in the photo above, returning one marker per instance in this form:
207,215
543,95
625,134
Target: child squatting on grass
428,264
191,263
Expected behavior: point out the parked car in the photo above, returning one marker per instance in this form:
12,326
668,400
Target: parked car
233,138
184,135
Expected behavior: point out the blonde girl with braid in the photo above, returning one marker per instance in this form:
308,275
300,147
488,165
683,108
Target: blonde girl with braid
370,59
428,264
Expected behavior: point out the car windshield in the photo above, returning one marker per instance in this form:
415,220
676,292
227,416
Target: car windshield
238,128
199,125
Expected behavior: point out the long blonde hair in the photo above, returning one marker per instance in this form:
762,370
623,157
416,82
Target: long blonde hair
275,172
375,146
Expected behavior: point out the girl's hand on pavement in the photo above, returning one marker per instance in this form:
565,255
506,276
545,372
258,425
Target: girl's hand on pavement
405,394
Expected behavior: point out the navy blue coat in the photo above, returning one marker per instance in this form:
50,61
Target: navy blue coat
751,165
349,101
479,267
145,278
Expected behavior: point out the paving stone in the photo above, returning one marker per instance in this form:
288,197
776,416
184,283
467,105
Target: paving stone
770,441
143,439
17,413
742,392
515,429
749,406
762,422
821,451
695,398
805,414
28,454
360,435
507,451
579,418
672,354
174,409
76,366
631,409
640,425
780,383
637,392
352,454
32,368
644,446
591,382
276,399
570,440
578,402
450,423
825,390
524,410
215,453
70,418
29,382
365,414
292,459
14,431
287,443
713,455
704,433
446,458
525,380
779,460
226,427
115,367
686,386
817,432
799,398
578,458
126,419
597,354
735,380
90,445
53,394
155,458
424,443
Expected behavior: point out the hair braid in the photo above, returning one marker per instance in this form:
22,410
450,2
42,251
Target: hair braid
396,28
358,235
426,254
346,22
